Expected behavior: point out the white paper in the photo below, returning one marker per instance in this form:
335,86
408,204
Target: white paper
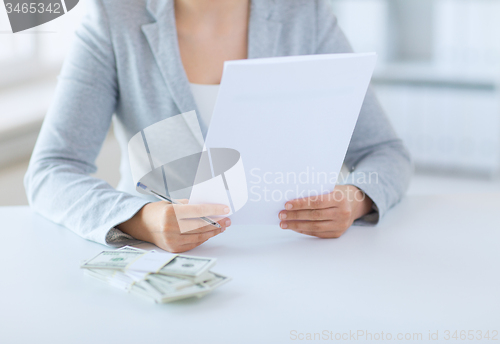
238,188
292,116
211,191
152,261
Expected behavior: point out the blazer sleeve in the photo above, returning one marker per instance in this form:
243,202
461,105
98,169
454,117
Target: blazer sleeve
58,182
379,163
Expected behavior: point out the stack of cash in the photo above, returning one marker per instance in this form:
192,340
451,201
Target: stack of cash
162,277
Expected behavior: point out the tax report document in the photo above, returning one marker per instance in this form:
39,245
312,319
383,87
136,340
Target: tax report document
286,124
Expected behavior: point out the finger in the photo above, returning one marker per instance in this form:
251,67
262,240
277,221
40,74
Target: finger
187,226
314,202
195,238
225,222
183,201
312,214
187,211
310,226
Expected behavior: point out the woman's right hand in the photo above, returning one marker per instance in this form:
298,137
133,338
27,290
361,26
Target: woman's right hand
160,223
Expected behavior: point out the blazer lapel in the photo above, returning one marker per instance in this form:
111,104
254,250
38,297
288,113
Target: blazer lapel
162,38
263,36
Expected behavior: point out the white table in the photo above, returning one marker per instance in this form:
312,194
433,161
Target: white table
432,265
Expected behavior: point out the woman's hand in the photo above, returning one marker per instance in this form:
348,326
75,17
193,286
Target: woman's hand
160,223
326,216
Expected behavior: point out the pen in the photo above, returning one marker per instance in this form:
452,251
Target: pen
164,198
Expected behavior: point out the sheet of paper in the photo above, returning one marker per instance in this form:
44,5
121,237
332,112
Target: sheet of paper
291,119
151,261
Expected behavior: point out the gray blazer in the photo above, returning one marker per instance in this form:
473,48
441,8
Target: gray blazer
125,66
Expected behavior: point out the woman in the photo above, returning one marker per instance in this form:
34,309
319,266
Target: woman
148,60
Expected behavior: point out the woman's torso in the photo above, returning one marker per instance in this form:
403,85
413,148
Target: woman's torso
152,84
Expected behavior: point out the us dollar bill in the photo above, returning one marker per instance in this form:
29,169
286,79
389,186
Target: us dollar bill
187,266
162,295
180,277
215,282
116,260
169,282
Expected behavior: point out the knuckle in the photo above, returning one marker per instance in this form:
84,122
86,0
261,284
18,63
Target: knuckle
169,213
169,247
345,211
169,239
346,224
164,227
169,210
329,213
204,236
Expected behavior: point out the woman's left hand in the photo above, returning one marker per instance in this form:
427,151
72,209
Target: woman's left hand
326,216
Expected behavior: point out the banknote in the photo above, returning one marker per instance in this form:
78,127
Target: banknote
116,260
130,259
162,295
205,276
166,281
216,281
180,277
187,266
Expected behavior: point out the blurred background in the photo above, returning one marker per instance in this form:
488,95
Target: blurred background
438,78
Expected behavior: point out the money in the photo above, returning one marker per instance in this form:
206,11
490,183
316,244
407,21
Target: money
115,260
187,266
163,295
158,276
171,282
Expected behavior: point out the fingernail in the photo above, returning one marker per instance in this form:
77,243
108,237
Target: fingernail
282,216
284,225
223,229
288,206
228,222
227,210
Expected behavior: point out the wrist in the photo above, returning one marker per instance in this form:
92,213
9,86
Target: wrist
137,226
361,203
